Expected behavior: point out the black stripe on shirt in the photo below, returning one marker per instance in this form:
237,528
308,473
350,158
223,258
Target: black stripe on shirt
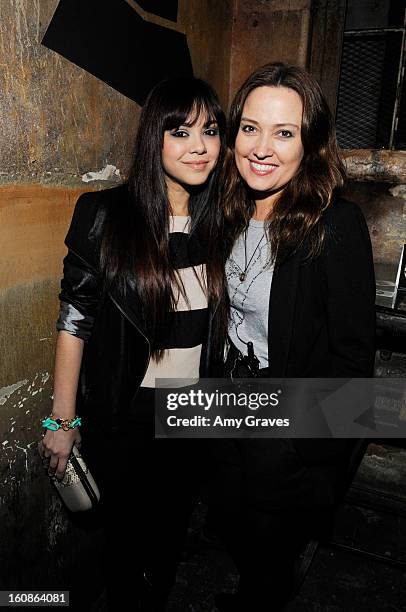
185,250
184,329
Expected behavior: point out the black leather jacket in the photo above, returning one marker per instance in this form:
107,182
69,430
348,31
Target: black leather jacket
117,353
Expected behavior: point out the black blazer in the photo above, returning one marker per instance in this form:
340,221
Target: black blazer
322,324
322,312
117,354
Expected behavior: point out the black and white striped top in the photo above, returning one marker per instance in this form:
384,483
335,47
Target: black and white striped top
183,337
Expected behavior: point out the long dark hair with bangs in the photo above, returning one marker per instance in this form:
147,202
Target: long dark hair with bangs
298,210
135,247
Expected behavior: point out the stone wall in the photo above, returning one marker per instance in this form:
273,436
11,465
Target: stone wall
378,184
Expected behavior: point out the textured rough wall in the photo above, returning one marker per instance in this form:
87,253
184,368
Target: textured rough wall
58,125
327,31
268,31
58,121
229,39
376,165
378,184
208,26
384,207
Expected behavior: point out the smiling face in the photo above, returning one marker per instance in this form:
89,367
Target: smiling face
190,152
268,147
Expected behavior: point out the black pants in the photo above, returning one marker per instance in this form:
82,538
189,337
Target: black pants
266,502
261,507
148,490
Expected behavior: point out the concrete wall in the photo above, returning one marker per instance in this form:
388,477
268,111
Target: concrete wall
384,208
378,185
229,39
208,26
58,123
266,32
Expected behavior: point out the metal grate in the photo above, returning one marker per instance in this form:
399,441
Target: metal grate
367,92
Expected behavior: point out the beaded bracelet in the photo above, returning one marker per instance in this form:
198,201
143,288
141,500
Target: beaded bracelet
55,423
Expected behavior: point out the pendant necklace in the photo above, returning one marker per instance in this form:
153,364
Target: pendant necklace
243,274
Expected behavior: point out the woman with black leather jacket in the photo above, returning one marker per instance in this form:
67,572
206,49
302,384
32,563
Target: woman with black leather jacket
142,279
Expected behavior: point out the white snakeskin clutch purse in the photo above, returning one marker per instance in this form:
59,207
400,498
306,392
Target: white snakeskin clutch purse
77,489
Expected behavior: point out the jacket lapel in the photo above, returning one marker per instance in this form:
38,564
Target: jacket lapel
128,307
282,301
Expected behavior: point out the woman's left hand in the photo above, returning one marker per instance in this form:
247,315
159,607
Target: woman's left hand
55,449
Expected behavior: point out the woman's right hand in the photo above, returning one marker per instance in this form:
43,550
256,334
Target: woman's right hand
56,446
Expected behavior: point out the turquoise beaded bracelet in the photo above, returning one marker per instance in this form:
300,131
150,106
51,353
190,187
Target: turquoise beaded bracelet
55,423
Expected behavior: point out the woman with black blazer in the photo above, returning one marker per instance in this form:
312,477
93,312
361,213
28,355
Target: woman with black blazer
142,280
301,286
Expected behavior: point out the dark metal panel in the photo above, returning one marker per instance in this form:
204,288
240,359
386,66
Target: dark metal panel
167,9
367,92
117,45
368,14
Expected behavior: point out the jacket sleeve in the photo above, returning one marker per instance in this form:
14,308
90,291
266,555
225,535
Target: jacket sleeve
81,283
350,294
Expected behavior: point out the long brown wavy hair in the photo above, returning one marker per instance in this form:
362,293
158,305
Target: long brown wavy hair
295,217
